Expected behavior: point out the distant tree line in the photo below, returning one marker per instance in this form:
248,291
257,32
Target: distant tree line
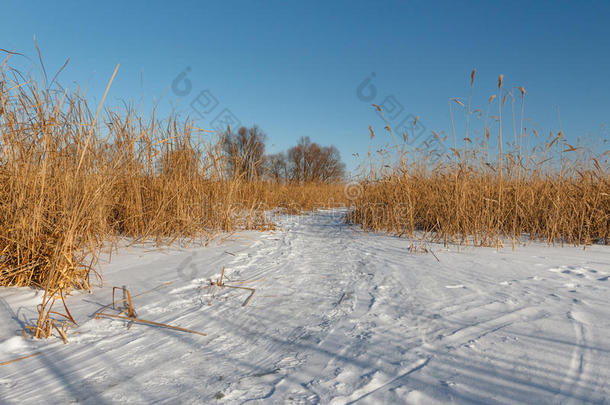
307,161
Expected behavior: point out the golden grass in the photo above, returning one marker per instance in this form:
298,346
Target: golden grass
71,181
484,210
556,192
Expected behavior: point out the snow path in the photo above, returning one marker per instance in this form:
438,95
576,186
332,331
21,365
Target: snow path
339,316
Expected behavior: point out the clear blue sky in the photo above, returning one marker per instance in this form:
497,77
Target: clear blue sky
294,68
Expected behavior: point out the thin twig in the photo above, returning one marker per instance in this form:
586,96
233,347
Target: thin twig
20,358
145,322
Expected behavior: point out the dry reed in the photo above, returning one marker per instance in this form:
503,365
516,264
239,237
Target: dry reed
72,180
556,192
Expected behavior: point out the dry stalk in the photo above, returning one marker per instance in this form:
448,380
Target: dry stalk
73,179
20,358
130,316
220,283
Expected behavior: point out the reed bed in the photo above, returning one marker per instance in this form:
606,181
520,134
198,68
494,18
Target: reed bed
484,211
73,180
489,192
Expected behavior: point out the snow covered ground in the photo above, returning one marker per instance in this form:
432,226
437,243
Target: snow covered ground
339,316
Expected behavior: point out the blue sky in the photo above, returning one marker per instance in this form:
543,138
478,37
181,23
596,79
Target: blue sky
294,68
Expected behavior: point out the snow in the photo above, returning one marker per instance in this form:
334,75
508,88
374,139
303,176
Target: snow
338,316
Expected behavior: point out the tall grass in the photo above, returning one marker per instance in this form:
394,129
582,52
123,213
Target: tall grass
72,180
555,192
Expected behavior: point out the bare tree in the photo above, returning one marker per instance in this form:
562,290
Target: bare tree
309,161
245,152
277,167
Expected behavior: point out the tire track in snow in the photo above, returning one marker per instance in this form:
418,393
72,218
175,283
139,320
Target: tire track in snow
575,372
344,316
578,379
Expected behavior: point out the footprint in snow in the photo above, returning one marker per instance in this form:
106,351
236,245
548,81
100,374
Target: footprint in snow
6,382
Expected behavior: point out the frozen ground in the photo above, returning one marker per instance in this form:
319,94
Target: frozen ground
339,316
